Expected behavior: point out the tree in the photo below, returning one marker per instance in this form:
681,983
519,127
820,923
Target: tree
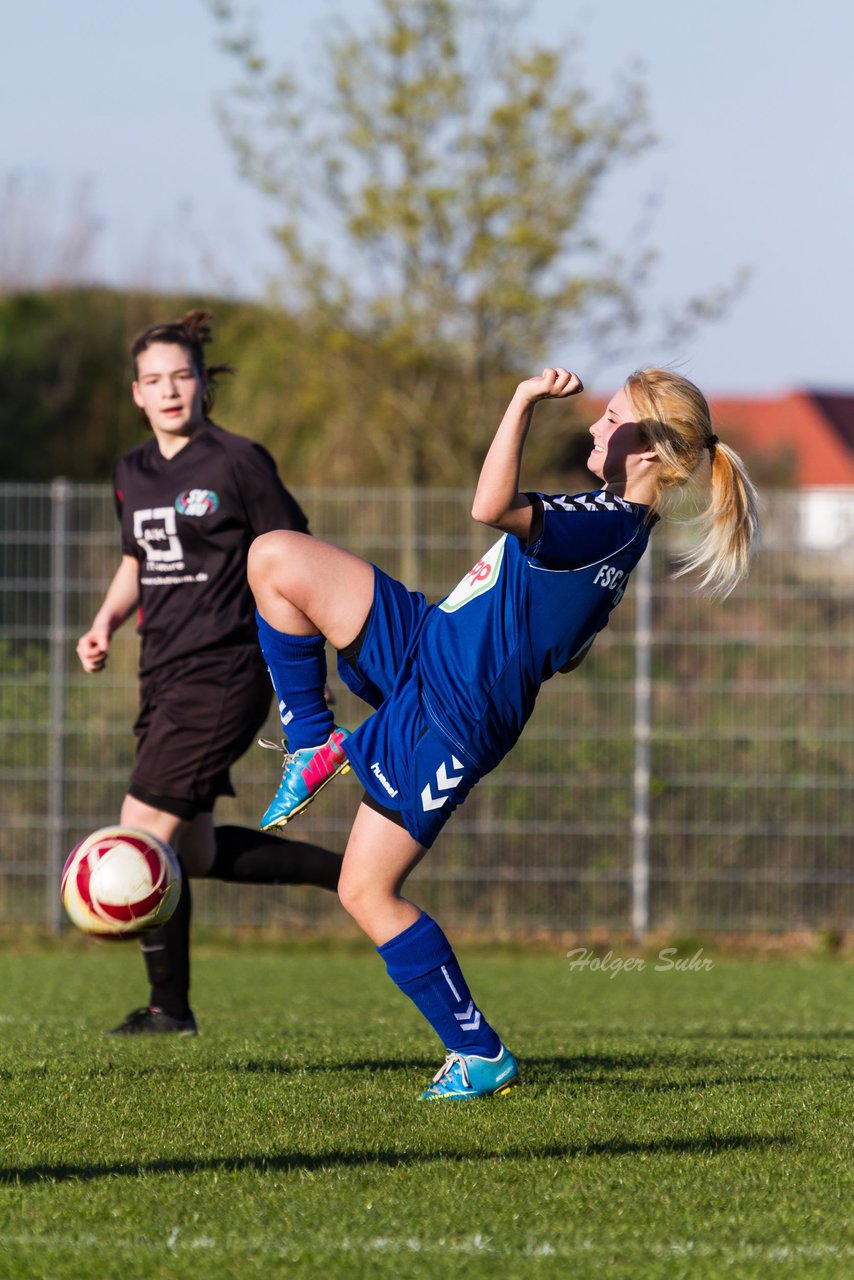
437,200
65,375
64,402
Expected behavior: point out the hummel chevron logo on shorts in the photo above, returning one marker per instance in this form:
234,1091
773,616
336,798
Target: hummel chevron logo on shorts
444,782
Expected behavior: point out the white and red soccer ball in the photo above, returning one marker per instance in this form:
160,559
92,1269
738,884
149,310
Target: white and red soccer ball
120,882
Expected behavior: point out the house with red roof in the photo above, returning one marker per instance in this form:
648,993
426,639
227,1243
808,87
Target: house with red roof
810,433
803,439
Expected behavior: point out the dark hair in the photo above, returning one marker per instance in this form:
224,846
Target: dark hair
191,332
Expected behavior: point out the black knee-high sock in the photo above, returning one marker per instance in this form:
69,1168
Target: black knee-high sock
245,856
242,856
167,958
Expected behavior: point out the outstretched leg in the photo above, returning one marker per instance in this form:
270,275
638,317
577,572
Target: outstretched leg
307,592
247,856
420,959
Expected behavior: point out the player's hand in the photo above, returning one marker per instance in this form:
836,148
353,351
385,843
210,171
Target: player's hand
552,384
93,649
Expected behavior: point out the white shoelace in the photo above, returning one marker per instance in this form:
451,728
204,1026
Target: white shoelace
446,1066
276,746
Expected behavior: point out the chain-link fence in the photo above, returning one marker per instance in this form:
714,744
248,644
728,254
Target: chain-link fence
694,773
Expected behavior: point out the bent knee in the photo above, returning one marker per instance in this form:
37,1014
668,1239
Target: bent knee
359,897
349,895
270,554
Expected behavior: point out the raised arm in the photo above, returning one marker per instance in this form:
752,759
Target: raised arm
497,500
118,604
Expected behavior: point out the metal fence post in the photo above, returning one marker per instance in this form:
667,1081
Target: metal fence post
641,773
410,558
60,491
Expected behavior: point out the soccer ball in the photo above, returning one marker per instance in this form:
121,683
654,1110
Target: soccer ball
120,882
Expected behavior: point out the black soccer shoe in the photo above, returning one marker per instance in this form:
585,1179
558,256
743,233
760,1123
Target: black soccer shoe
151,1021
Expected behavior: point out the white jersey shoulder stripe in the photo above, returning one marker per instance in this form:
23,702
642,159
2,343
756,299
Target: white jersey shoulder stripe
589,502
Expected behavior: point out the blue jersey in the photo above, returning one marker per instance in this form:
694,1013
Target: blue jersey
521,614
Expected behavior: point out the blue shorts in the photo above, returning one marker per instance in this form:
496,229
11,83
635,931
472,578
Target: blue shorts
397,755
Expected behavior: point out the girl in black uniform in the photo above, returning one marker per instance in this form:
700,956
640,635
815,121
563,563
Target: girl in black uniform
190,500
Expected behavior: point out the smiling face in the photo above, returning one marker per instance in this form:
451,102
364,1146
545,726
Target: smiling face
169,390
618,443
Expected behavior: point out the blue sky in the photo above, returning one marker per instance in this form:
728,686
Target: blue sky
751,100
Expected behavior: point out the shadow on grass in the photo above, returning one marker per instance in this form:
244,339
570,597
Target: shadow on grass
554,1071
579,1068
302,1161
542,1070
256,1066
743,1033
616,1073
704,1082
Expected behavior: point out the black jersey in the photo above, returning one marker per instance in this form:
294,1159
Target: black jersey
189,520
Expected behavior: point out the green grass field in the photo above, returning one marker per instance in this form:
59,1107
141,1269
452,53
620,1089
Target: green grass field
671,1123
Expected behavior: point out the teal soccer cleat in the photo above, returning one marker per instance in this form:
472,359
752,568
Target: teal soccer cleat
304,774
467,1076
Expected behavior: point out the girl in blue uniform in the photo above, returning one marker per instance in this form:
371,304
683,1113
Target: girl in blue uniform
453,684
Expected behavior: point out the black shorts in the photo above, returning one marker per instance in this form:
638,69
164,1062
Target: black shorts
197,717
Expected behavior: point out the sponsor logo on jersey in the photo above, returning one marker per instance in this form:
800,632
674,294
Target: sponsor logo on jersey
156,532
611,578
197,502
479,579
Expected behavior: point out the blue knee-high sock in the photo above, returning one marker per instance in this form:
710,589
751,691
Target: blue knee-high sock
297,666
422,963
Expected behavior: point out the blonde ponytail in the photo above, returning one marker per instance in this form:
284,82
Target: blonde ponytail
676,421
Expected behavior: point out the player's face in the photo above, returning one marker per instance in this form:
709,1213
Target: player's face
616,438
169,389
